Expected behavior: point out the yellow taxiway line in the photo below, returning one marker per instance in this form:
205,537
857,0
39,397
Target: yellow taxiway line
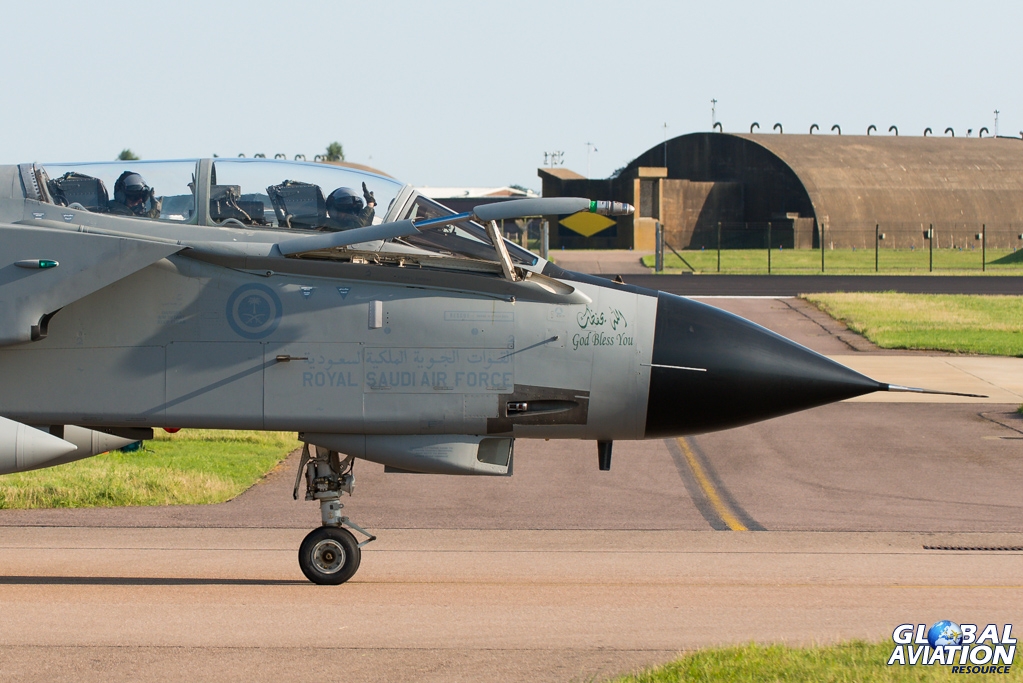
723,511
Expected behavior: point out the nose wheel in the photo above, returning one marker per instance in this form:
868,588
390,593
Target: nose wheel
329,555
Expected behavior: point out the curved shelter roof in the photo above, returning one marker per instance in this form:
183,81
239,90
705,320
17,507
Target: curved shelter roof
855,180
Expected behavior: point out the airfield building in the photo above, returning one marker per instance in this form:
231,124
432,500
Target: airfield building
736,189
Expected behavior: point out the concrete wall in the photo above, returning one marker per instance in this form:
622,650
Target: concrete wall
691,210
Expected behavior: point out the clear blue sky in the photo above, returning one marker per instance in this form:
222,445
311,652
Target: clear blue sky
473,93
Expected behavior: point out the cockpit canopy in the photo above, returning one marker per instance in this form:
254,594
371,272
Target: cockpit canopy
92,187
262,194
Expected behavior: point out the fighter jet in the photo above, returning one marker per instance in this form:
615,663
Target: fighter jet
342,305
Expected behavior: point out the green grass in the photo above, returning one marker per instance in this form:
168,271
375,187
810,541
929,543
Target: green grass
846,662
844,261
1013,258
193,466
945,322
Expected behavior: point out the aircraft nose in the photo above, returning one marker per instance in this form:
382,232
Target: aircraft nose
713,370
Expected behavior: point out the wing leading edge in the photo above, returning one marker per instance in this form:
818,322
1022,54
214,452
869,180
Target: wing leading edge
43,270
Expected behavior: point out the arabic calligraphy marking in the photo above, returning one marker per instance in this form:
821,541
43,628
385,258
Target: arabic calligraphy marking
618,319
589,319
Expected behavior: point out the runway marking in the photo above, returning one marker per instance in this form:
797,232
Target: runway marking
722,510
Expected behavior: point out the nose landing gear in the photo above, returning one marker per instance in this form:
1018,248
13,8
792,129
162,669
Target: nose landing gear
329,555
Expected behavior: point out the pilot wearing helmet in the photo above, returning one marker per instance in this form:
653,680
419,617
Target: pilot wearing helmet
347,210
130,196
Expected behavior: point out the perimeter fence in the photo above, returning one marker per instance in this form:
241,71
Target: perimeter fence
796,246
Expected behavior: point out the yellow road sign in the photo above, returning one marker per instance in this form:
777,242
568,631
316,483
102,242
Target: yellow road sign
587,224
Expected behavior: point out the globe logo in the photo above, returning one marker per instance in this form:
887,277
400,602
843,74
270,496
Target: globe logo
945,632
254,311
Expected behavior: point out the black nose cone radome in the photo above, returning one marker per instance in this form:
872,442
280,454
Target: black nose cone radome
713,370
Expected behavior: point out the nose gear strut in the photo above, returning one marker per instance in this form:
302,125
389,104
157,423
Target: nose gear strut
330,554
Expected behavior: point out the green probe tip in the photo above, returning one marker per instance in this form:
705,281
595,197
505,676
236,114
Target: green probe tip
47,263
593,206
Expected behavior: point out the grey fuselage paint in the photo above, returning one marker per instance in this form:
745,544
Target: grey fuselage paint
184,343
188,325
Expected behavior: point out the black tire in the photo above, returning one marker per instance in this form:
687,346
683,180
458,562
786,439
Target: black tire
329,556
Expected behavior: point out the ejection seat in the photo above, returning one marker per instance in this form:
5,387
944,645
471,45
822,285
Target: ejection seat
226,203
79,191
298,204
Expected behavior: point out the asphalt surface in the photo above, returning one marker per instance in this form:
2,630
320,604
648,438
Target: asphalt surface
443,605
793,285
807,528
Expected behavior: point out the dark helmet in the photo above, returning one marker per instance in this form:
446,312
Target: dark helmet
344,200
130,187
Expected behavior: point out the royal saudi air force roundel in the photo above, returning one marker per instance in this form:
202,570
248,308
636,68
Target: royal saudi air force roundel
254,311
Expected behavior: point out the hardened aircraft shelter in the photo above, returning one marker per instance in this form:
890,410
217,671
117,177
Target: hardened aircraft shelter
851,186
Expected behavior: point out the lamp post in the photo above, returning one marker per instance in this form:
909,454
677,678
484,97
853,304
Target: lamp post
665,144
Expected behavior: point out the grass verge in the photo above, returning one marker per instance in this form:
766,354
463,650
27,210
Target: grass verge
944,322
854,661
845,261
194,466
